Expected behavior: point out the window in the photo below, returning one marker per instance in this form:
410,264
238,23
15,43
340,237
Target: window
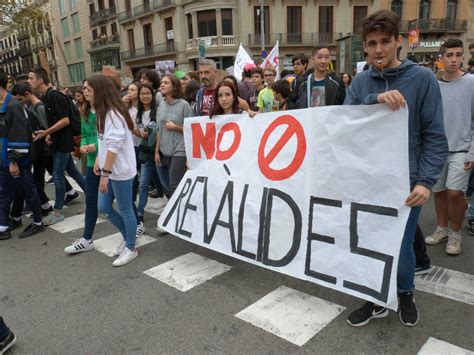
128,5
100,59
207,23
67,51
257,19
325,24
92,9
113,28
131,40
94,34
424,11
227,29
359,13
190,26
65,27
73,5
293,24
78,48
451,9
62,7
397,6
147,35
75,23
77,73
103,31
111,3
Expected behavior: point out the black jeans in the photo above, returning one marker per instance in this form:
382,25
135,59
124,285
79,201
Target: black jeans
21,188
422,258
176,168
40,166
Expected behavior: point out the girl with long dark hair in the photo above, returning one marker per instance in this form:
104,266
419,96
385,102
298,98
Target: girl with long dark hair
226,100
89,147
115,162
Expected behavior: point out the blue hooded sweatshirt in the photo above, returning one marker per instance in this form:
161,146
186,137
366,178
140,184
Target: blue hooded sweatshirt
428,146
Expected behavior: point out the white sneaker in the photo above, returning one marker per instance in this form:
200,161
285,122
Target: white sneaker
125,257
120,248
79,246
440,235
140,231
160,203
454,244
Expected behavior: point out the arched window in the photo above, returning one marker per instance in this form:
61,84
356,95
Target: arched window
424,12
451,9
397,6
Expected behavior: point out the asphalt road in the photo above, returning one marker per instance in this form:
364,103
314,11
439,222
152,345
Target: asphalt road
81,304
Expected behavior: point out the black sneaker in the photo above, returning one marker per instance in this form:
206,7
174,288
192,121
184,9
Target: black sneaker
421,270
70,198
5,235
408,312
470,226
32,229
46,211
363,315
14,224
7,342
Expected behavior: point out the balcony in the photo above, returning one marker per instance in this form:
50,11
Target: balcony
213,41
151,51
145,10
49,42
435,25
52,63
101,43
22,34
23,50
103,16
294,39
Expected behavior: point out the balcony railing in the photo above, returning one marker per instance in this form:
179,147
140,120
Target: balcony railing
213,41
103,42
49,41
156,50
435,25
22,34
103,16
145,9
23,50
294,39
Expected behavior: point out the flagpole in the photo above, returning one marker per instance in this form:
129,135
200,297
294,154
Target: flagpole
262,25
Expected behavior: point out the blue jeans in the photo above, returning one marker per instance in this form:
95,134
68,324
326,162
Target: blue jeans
148,173
63,162
470,212
407,259
91,193
124,220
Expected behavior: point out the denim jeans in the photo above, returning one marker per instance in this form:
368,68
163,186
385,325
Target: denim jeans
422,258
470,212
63,162
407,260
148,173
176,167
124,220
91,193
43,163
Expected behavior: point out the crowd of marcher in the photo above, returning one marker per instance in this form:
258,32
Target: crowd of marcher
131,141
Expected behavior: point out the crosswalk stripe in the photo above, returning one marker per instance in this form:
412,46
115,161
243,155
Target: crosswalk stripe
75,185
108,244
72,223
292,315
436,346
187,271
447,283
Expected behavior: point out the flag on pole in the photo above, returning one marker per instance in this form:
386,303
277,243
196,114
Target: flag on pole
241,59
272,60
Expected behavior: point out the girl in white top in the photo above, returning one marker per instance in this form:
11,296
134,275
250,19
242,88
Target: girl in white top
115,162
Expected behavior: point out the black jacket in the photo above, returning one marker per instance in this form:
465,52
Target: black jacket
335,91
16,133
292,100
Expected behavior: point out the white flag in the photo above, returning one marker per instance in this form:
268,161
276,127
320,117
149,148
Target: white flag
272,60
241,59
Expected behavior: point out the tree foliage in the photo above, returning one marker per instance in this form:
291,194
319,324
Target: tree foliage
16,13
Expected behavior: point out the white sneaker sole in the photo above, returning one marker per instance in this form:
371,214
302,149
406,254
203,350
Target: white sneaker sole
408,324
13,342
76,251
435,242
125,262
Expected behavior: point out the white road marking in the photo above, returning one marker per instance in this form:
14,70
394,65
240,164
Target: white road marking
436,346
187,271
108,244
292,315
447,283
72,223
74,184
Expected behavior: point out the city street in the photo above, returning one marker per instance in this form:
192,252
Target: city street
80,304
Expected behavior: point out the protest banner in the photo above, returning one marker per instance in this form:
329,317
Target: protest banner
318,194
241,59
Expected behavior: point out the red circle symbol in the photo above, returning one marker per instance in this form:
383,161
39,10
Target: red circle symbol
293,128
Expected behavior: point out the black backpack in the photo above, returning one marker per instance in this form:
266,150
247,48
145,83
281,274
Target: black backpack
74,115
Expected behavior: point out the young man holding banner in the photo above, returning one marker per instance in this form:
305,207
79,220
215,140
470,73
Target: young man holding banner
396,84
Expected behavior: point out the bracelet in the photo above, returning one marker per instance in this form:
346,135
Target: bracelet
106,171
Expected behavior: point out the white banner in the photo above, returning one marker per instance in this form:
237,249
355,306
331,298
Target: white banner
241,59
318,194
272,60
